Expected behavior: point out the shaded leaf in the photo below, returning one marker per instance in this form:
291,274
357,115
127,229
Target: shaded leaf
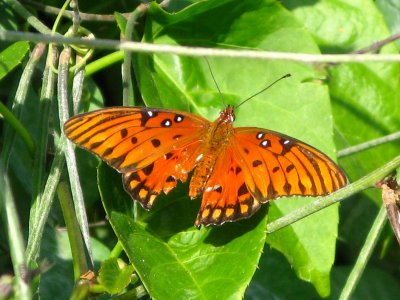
12,57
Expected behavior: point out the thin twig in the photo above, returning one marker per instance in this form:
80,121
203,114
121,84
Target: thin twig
372,143
378,45
127,87
323,202
69,13
197,51
365,254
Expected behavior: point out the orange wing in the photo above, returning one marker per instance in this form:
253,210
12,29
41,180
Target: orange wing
260,165
226,197
152,147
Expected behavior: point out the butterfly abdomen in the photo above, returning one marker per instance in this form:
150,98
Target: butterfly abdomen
215,144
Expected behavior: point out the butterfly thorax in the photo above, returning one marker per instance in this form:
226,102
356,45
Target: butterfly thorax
215,142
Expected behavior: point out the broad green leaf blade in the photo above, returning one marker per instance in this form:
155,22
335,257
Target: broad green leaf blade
340,26
175,260
365,99
298,106
12,57
280,284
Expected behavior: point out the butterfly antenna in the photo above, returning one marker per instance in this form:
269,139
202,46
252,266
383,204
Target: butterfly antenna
264,89
216,84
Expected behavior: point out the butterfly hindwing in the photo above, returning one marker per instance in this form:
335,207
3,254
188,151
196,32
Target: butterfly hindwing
226,196
162,174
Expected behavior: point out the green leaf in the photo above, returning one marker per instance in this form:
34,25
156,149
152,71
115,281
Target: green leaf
340,26
364,97
121,21
12,57
298,106
114,278
274,285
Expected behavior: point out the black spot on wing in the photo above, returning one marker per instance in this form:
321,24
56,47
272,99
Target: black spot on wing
168,155
156,143
289,168
238,170
95,145
124,133
171,179
256,163
147,170
242,190
286,145
147,114
108,151
177,137
275,169
218,189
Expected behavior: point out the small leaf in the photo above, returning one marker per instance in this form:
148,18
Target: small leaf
121,21
114,278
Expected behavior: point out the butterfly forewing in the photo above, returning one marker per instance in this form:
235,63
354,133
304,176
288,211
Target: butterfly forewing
283,166
131,138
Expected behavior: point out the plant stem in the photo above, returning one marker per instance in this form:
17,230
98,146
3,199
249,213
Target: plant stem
38,177
322,202
76,188
197,51
35,236
103,62
364,255
369,144
16,241
74,233
127,88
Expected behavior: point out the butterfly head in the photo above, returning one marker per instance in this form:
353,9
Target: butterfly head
227,115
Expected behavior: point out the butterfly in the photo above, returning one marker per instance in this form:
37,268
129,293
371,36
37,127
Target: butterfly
236,170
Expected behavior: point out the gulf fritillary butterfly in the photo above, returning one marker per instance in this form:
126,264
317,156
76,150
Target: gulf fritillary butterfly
236,169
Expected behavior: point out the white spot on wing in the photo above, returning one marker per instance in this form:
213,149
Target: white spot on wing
264,143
